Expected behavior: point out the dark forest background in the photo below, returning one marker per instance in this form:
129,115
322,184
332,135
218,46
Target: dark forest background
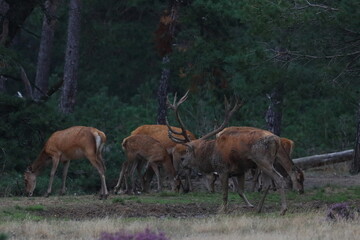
297,60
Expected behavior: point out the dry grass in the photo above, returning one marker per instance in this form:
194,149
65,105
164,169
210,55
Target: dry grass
300,226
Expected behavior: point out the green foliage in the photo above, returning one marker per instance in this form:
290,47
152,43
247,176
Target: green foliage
24,126
19,213
3,236
35,208
118,200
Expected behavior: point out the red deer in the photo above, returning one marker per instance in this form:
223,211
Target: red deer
160,133
261,179
73,143
233,155
140,149
284,165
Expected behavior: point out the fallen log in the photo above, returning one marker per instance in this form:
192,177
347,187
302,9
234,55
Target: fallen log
324,159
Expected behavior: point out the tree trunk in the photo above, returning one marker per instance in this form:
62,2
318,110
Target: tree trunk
273,115
162,92
46,45
2,84
69,90
323,159
164,40
355,168
4,33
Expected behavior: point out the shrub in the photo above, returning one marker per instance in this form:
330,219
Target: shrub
118,200
3,236
339,211
146,235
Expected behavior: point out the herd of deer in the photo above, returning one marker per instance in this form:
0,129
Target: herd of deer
233,152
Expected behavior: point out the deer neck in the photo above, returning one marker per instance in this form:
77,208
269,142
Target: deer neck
39,163
204,152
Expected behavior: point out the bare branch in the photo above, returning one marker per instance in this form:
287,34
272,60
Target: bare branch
317,57
26,82
308,4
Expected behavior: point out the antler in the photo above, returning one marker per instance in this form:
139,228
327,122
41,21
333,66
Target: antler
171,131
228,114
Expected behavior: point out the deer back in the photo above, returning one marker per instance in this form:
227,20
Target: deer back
145,147
160,133
75,142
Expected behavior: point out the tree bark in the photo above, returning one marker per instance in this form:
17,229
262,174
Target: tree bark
164,40
2,84
46,45
162,92
273,115
355,168
69,90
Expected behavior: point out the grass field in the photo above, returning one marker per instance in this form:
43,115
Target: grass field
185,216
308,225
188,216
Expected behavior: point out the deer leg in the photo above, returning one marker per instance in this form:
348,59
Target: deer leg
65,172
99,165
213,178
255,177
132,174
100,162
261,203
126,178
121,178
55,164
103,180
147,176
155,167
239,184
224,179
279,181
139,168
189,187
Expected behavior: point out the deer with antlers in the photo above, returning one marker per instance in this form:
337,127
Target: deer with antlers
143,150
62,146
232,155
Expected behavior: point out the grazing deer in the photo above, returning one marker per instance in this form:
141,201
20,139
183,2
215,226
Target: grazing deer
73,143
203,155
175,151
143,149
260,179
283,165
233,155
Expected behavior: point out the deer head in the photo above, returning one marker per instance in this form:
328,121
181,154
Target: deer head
194,147
299,179
30,181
